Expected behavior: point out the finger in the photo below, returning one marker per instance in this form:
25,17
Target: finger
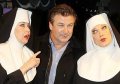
37,53
37,62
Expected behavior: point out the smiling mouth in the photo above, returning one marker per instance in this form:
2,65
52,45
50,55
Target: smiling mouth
65,36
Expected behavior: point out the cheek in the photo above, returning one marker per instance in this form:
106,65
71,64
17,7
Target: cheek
109,37
20,34
58,31
96,39
108,34
55,31
71,30
17,34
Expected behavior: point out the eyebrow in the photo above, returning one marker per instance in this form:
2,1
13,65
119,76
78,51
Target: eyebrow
94,28
60,23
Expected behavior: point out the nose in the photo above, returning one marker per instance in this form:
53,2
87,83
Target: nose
27,28
100,33
65,30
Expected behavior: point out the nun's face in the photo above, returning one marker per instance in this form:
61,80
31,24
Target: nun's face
101,35
22,32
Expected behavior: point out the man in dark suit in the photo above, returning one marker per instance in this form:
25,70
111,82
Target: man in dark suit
59,49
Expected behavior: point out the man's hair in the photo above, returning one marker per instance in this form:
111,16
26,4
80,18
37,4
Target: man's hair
61,9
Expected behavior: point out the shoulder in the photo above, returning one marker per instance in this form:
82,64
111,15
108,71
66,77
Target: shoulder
77,48
4,50
86,58
3,47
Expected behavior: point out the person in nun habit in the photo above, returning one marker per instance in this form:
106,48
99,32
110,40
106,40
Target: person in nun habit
101,63
17,62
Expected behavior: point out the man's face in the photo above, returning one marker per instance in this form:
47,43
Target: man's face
61,28
22,32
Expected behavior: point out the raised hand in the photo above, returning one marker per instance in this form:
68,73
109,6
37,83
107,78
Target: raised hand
31,63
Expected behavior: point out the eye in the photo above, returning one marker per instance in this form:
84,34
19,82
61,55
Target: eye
61,25
94,31
70,26
22,25
104,27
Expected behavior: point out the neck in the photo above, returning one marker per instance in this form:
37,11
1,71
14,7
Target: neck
59,46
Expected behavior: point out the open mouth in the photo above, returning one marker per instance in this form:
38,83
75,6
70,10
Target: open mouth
27,36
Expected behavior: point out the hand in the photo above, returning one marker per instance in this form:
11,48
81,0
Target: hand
31,63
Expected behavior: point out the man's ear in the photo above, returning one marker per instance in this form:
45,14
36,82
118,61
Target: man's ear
50,25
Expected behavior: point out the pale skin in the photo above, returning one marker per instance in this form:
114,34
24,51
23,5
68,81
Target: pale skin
102,35
22,33
61,29
31,63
